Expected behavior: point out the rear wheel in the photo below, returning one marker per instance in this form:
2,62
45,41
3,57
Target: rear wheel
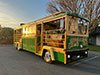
18,47
47,57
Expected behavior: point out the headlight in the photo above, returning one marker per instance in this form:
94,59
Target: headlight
68,56
81,46
78,56
86,52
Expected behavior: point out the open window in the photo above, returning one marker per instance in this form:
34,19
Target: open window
82,26
77,25
72,25
38,38
18,34
56,24
53,32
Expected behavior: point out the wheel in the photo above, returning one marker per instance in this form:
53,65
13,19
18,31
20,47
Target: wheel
47,57
18,48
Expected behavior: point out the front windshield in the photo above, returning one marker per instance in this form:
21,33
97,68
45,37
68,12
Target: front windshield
82,26
77,25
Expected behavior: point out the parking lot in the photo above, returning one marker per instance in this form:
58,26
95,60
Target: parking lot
13,62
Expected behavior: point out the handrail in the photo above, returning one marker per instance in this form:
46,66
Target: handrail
54,31
54,43
53,39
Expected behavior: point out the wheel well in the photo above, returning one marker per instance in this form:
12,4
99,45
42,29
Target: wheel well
43,52
16,45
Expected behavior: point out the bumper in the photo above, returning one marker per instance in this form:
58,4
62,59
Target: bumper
76,55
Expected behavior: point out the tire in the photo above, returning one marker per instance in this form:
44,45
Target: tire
47,57
18,48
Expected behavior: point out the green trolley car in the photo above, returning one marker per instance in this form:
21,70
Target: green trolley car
61,36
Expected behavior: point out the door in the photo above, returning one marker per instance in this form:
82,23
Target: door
38,38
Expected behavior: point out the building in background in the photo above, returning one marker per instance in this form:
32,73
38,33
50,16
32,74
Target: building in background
95,36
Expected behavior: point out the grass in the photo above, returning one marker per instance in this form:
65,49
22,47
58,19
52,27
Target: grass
94,48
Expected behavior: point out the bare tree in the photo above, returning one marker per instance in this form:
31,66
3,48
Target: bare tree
92,11
6,35
86,8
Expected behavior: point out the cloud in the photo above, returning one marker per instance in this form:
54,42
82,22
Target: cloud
7,18
3,4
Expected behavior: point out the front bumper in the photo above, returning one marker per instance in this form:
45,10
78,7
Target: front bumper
76,55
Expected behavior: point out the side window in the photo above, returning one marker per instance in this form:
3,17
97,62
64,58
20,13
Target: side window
72,25
62,23
56,24
82,26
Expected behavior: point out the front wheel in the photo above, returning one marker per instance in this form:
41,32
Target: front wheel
47,57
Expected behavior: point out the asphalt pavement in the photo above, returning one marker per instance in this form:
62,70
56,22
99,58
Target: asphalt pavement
13,62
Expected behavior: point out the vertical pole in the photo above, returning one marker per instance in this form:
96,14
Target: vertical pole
65,39
66,29
41,35
35,39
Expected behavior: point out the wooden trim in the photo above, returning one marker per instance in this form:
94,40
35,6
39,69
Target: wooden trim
54,39
65,58
19,27
49,20
48,16
53,19
41,35
54,43
54,34
60,50
66,27
77,35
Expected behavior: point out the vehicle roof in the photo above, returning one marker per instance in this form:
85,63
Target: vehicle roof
18,27
76,15
58,14
55,15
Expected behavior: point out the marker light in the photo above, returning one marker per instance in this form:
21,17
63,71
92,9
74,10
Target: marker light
68,56
86,52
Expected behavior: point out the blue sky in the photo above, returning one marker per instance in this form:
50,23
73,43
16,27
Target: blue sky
13,12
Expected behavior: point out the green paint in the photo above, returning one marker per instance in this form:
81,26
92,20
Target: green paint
74,42
59,56
38,39
29,44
